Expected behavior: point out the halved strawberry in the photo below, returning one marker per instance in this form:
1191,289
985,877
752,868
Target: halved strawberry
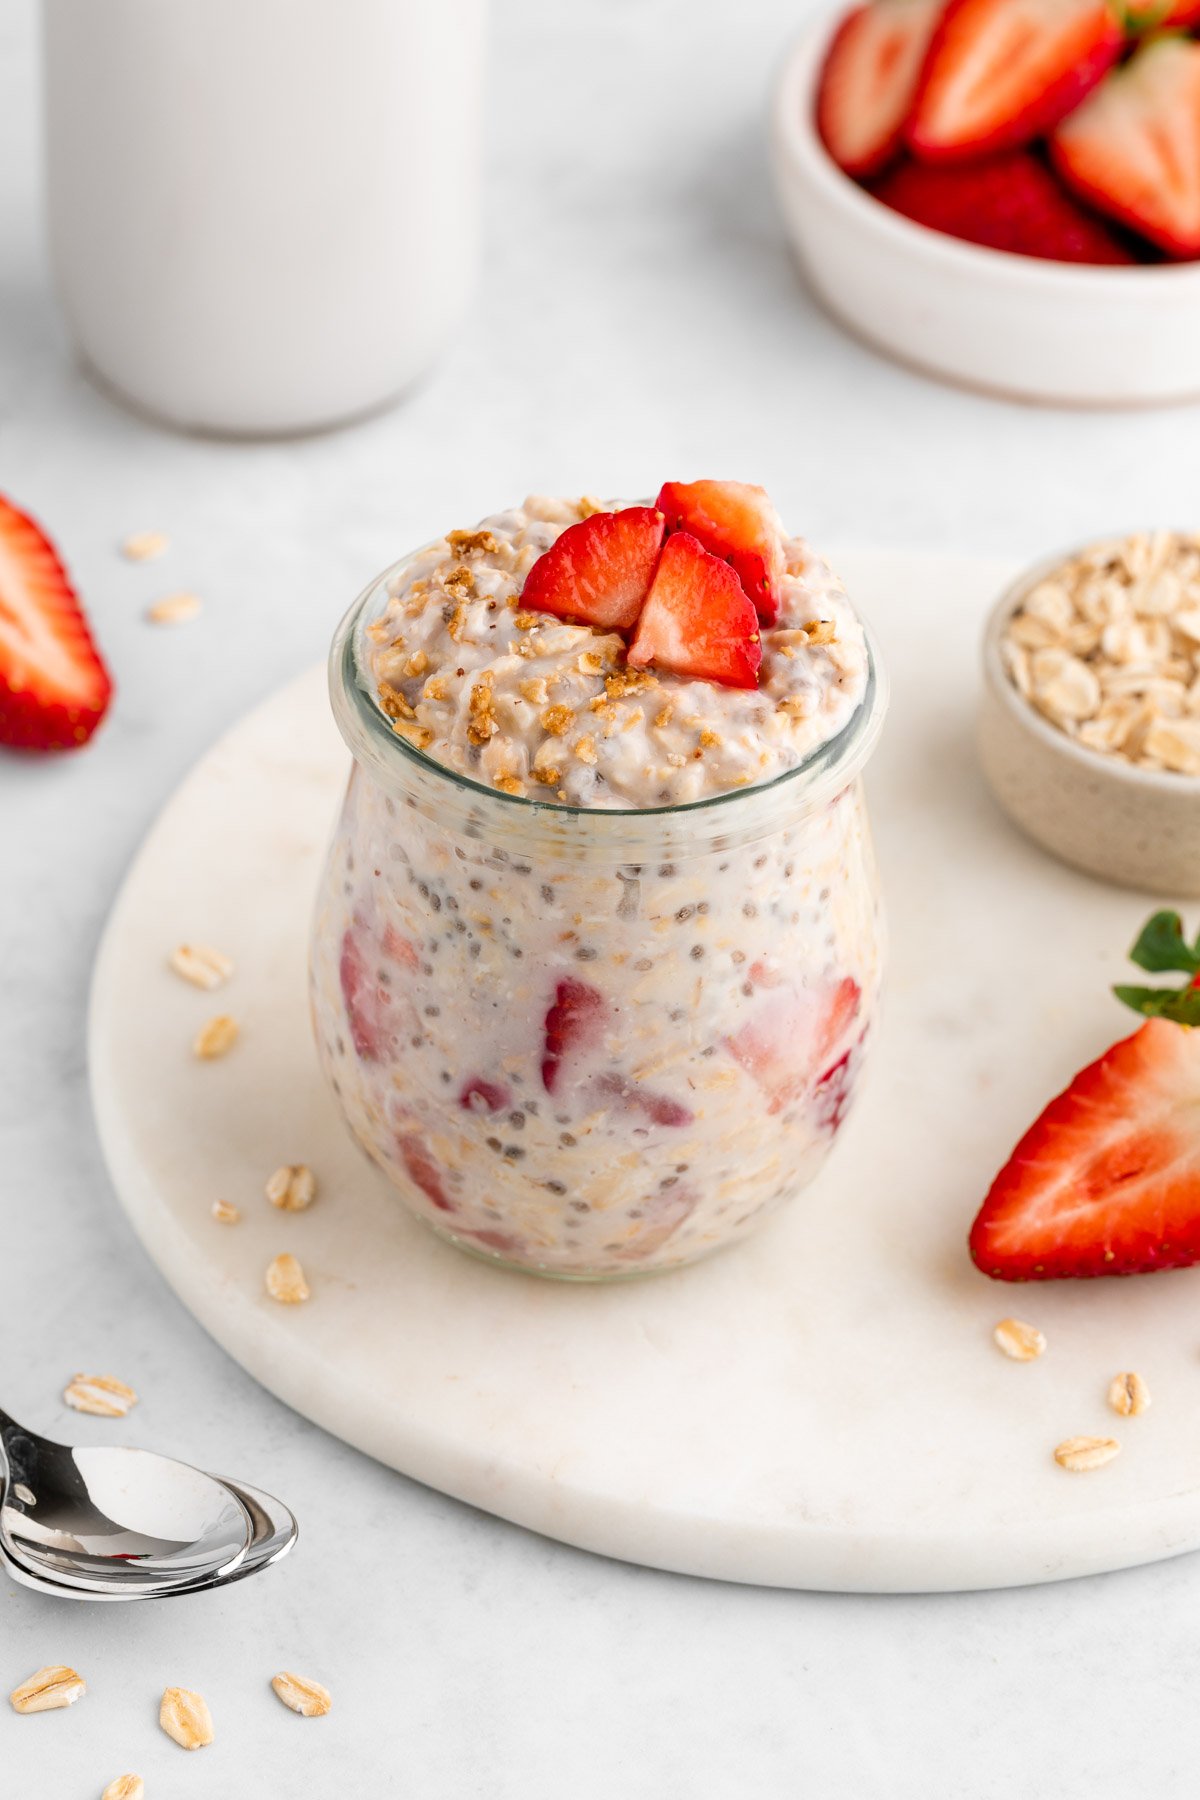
870,80
787,1044
1011,202
1161,15
1001,72
574,1023
1107,1182
697,620
735,521
1133,149
600,570
54,689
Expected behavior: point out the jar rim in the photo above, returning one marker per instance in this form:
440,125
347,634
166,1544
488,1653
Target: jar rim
362,722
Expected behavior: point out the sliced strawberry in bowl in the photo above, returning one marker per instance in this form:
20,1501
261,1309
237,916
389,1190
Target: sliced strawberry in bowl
1133,149
54,689
735,521
697,620
1011,202
869,81
598,571
574,1025
1002,72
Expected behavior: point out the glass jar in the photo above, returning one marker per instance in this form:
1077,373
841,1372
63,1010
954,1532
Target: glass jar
592,1043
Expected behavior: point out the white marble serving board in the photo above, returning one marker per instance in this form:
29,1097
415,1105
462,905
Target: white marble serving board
822,1407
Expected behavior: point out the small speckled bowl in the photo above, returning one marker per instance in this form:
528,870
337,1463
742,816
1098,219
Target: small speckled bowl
1136,827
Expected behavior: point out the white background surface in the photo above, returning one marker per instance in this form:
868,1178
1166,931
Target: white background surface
638,318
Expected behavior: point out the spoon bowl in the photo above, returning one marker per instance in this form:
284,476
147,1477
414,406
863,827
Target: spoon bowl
129,1520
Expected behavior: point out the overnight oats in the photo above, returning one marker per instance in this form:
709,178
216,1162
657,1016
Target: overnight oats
598,947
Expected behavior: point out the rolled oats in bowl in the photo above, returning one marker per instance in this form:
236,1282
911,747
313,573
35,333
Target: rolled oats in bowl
1090,718
598,948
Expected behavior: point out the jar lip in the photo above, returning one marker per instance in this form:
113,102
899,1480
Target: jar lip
351,692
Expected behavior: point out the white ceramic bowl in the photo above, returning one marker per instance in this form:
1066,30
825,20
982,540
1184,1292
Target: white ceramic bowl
1056,332
1136,827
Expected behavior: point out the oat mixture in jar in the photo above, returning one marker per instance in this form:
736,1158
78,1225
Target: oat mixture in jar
597,951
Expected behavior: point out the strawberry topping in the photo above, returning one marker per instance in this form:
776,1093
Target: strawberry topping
869,81
54,689
600,570
1010,202
697,619
1133,149
736,522
1001,72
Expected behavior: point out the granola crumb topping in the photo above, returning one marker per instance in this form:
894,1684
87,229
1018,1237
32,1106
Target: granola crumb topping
472,543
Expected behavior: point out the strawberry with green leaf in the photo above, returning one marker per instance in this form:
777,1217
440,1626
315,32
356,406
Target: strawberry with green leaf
1107,1181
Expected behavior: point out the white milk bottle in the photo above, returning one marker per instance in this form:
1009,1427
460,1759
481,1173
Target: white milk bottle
264,214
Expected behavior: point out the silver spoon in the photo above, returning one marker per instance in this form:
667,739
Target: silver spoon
275,1532
126,1520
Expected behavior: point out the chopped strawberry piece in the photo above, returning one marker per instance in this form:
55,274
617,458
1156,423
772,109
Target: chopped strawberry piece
502,1242
424,1173
659,1109
1001,72
697,620
54,689
1162,15
735,521
786,1046
399,948
1107,1182
600,570
1133,149
574,1023
484,1096
869,81
1010,202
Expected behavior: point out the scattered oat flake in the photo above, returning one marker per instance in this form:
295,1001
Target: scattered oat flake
308,1698
285,1281
216,1038
50,1689
174,609
292,1188
225,1213
125,1787
1129,1395
1021,1341
144,546
185,1717
1080,1454
102,1395
203,966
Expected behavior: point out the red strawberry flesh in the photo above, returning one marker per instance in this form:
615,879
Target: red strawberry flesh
598,571
869,81
1011,202
574,1023
734,521
54,689
1133,149
697,620
1002,72
1107,1181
